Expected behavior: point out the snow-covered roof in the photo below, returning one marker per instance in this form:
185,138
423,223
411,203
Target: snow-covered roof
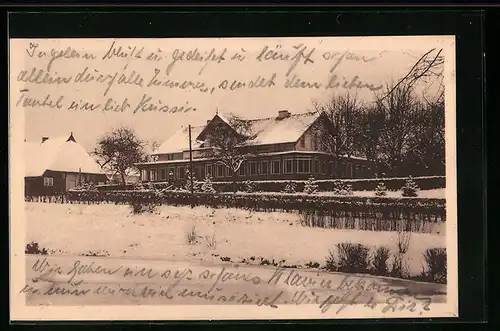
179,141
58,154
271,130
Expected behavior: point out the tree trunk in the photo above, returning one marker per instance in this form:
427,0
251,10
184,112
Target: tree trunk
234,181
122,174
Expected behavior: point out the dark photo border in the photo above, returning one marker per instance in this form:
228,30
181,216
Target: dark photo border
466,25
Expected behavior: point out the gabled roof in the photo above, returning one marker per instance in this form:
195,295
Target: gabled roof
179,141
271,130
277,131
58,154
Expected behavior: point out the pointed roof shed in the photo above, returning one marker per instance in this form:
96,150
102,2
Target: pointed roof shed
58,154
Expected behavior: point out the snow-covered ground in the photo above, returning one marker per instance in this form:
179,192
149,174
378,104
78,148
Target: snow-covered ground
239,234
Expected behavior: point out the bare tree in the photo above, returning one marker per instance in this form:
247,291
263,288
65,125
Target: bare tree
119,150
427,66
229,144
344,111
429,141
398,110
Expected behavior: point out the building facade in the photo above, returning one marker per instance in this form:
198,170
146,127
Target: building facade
284,147
56,165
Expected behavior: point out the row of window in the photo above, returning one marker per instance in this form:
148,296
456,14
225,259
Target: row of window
49,181
253,168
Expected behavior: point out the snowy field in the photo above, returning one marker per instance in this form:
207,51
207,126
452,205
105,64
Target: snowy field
239,235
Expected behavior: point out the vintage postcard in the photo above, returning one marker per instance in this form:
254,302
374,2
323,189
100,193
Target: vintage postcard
233,178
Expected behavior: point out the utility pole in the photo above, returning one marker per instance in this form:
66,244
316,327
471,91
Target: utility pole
191,167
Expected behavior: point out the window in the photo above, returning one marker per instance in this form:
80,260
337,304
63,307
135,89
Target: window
144,175
208,170
358,171
332,168
288,166
152,175
48,181
241,171
304,166
170,157
318,166
163,174
276,164
324,167
264,167
198,172
220,170
253,168
63,176
182,172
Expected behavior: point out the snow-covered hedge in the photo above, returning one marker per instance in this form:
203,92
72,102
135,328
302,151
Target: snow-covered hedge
324,185
329,185
349,206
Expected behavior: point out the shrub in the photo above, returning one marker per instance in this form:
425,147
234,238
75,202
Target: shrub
410,189
380,259
86,186
353,258
138,186
435,258
187,185
399,266
191,236
139,207
211,241
381,190
290,187
331,262
342,188
33,248
310,187
249,186
207,186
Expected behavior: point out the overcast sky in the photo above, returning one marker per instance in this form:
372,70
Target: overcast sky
389,61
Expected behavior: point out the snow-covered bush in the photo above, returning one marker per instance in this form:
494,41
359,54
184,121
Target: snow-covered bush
207,186
310,187
86,186
249,186
381,190
139,186
187,185
290,187
410,189
342,188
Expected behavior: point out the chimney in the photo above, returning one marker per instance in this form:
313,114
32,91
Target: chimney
44,139
283,114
